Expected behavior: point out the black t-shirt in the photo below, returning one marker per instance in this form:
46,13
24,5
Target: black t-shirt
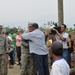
71,49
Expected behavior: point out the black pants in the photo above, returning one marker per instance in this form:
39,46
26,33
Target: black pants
18,53
41,62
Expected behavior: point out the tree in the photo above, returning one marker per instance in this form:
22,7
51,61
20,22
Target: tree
48,24
74,25
15,29
7,29
42,29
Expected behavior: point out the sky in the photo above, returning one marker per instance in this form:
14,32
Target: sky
19,12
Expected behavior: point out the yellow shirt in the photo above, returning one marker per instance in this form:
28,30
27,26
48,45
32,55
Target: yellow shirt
49,42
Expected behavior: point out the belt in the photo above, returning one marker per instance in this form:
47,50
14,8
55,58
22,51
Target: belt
65,48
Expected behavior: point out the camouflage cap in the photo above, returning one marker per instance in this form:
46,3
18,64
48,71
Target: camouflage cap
1,27
30,24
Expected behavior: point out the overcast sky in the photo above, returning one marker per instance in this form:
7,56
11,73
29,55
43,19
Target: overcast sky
20,12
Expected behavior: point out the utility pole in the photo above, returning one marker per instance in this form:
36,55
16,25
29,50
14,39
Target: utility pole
60,12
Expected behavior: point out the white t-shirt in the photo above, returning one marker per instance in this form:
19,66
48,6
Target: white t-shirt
9,38
65,35
60,67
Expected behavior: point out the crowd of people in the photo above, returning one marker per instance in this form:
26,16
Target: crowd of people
68,52
35,48
9,46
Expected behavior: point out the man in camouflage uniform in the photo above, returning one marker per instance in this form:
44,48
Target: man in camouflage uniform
3,61
27,61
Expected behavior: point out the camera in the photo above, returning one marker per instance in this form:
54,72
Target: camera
56,27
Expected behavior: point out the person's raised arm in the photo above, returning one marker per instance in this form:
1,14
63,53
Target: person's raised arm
27,36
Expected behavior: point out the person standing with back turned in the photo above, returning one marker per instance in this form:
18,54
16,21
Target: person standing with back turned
59,66
28,65
38,49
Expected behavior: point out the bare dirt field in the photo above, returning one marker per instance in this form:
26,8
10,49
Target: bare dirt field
14,71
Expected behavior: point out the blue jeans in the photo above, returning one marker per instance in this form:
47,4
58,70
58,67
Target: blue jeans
66,55
14,54
41,62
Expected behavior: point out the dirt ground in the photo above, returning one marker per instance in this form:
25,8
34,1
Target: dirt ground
14,71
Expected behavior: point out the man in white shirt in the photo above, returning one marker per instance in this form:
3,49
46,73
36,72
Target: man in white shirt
62,37
59,66
37,47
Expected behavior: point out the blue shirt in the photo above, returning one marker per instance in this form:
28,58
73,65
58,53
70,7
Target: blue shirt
36,42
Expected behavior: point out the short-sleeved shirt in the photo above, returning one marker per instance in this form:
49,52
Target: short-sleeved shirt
65,35
60,67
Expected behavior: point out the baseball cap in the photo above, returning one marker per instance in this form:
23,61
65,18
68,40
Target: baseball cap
57,48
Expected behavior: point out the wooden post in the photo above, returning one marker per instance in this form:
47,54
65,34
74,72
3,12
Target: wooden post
60,12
